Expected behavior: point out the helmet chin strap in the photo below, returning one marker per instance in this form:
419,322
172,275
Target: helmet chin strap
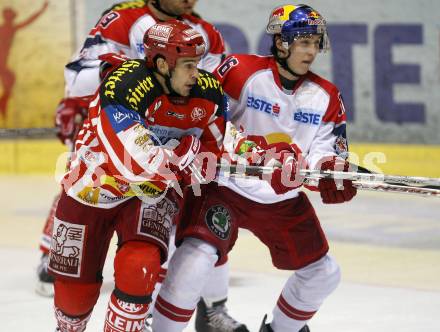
285,66
156,4
167,79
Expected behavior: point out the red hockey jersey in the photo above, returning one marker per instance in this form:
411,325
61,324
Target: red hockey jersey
120,150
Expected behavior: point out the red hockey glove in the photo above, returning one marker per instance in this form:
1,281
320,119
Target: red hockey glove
285,178
69,117
191,162
110,61
331,193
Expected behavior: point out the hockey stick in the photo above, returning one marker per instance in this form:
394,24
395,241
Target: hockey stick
361,180
371,177
15,133
353,176
404,189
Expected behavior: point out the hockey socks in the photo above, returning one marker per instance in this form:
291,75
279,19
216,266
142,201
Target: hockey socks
71,324
125,313
304,293
188,270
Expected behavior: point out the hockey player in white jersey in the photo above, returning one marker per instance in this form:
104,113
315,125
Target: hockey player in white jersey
120,30
297,117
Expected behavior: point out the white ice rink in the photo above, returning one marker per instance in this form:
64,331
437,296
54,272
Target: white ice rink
388,246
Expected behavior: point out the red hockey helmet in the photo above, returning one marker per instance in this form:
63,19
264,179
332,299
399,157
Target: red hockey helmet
172,40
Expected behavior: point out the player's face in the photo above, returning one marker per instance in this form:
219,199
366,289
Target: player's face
302,53
177,7
185,75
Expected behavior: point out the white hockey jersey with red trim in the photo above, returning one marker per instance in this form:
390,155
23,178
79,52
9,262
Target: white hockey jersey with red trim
121,30
312,116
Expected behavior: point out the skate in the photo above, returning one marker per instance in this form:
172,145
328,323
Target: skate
265,327
305,329
147,323
216,319
44,286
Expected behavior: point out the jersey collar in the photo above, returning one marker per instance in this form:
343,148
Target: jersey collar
276,75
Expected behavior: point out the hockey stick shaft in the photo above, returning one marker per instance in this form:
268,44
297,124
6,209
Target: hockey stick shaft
384,187
15,133
371,177
336,175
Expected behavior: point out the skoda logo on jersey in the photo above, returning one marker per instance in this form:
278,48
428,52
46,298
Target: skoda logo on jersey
218,220
262,105
307,116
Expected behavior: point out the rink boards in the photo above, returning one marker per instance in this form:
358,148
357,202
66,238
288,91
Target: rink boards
40,156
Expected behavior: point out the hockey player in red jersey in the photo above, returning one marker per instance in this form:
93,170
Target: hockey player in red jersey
120,30
146,124
298,118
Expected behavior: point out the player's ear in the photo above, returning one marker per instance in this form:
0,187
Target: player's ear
162,66
282,52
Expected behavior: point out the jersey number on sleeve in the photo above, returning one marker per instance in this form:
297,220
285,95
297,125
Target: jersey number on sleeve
228,64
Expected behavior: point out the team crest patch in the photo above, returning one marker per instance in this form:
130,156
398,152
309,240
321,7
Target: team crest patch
198,114
67,248
218,220
131,308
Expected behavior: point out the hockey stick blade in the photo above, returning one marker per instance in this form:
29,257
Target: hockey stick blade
402,189
372,177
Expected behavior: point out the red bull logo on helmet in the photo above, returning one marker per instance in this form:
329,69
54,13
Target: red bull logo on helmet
314,18
278,12
278,17
284,12
314,15
318,21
